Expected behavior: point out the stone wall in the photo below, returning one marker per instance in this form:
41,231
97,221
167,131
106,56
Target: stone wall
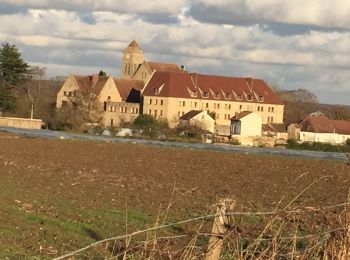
21,122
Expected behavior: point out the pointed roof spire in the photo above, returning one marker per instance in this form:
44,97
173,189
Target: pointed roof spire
133,47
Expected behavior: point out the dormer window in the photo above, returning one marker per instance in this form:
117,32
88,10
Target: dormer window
227,96
250,97
261,98
239,96
193,93
205,94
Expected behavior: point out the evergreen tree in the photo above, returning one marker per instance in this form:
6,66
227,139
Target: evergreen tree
13,69
102,73
7,100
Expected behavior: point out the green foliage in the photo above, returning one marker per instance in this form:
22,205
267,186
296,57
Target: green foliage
7,100
151,126
317,146
348,141
102,73
234,141
190,131
145,122
13,69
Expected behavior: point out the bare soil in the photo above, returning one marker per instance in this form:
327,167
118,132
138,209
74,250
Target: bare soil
59,195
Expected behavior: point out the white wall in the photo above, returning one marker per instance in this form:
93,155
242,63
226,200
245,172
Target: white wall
251,125
332,138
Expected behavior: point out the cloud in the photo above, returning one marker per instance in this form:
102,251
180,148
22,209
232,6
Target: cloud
293,16
130,6
71,37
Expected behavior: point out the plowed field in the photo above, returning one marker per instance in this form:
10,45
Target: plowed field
59,195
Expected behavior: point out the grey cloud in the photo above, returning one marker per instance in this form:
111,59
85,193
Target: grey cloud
159,18
238,13
7,8
87,17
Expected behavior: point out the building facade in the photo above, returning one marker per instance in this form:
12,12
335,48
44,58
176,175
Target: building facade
170,95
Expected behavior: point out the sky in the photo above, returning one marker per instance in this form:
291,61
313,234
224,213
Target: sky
290,44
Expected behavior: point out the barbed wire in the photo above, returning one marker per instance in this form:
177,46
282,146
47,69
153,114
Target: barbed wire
204,217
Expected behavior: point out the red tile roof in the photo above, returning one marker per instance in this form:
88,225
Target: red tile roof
93,83
200,86
241,115
191,114
158,66
125,86
322,124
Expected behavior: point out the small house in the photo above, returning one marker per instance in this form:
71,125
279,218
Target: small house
198,118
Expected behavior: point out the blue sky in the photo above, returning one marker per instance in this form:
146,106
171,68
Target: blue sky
294,44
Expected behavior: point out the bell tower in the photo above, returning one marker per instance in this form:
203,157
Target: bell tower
132,58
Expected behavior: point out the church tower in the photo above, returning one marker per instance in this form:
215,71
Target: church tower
132,58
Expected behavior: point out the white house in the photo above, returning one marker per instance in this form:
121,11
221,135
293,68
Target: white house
198,118
246,124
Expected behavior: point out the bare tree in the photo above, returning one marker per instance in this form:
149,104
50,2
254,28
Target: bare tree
37,74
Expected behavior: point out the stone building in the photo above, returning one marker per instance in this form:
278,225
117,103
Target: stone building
170,95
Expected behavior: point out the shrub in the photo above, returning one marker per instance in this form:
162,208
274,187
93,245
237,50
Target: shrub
190,131
234,141
151,126
292,144
348,141
144,122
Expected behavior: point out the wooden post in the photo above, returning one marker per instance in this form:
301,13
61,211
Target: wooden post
218,231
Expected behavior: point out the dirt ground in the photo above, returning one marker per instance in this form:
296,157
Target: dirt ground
59,195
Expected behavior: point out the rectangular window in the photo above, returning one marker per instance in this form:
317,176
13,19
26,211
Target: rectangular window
207,105
161,112
183,103
161,102
218,106
272,109
261,98
262,109
250,98
149,111
205,94
195,104
155,113
239,96
272,119
156,101
258,108
150,101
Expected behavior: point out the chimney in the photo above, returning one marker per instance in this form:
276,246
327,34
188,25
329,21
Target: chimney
93,79
183,68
